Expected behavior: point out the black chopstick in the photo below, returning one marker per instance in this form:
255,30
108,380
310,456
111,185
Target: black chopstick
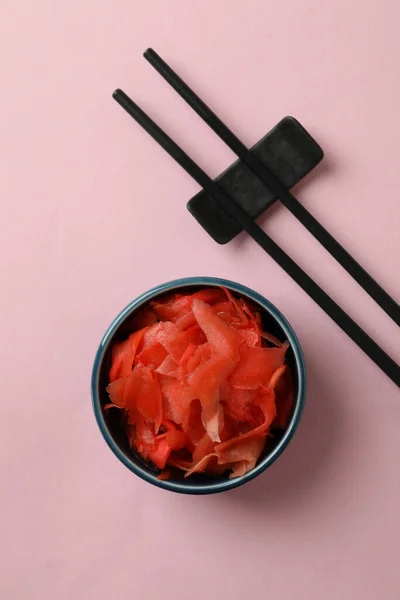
386,302
349,326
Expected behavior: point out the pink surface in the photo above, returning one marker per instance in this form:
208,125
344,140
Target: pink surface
94,213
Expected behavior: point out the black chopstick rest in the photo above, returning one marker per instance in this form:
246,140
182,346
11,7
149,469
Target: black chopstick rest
288,150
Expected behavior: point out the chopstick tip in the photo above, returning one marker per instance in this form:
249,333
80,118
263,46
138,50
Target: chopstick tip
149,53
117,94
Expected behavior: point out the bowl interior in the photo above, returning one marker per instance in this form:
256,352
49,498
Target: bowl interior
112,420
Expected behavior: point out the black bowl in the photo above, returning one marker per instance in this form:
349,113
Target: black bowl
110,424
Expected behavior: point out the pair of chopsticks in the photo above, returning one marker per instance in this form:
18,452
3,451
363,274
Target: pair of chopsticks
347,324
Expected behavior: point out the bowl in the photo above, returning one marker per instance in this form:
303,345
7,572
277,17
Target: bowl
109,423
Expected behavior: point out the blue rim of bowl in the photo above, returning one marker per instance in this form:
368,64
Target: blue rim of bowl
186,487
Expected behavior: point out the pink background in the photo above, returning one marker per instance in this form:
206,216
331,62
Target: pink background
94,213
